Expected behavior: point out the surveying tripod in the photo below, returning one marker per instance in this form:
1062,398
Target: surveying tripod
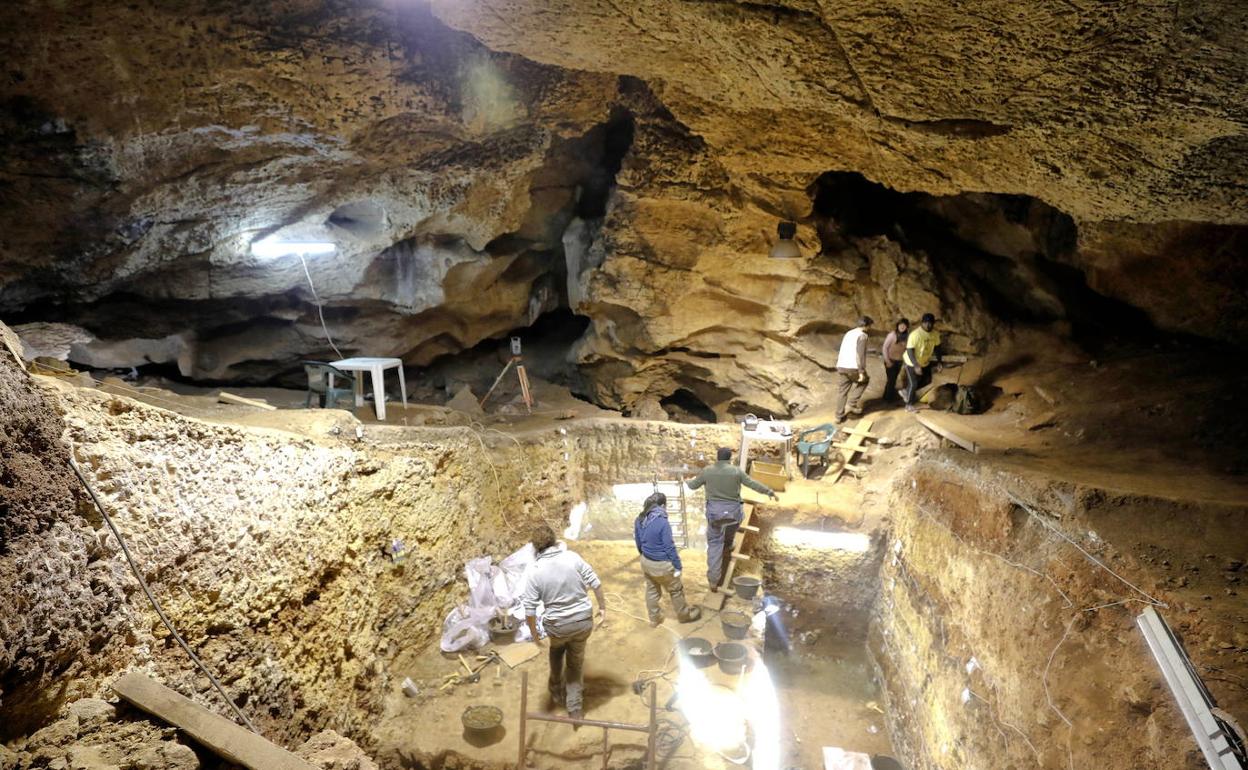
517,361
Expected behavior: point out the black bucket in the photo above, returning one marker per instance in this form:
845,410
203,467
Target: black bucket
503,629
746,586
735,624
483,725
731,657
698,651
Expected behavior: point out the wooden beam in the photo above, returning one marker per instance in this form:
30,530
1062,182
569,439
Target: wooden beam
229,398
945,433
216,733
856,432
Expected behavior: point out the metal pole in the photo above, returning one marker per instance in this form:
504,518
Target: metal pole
651,759
606,749
524,713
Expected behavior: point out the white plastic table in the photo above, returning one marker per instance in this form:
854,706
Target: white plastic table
755,436
377,366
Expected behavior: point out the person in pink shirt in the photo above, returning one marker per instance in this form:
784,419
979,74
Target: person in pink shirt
892,351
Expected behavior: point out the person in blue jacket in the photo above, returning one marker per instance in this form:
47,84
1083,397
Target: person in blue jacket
660,561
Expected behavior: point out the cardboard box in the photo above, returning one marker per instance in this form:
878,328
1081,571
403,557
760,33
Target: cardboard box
771,474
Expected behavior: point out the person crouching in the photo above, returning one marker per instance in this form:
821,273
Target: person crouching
660,561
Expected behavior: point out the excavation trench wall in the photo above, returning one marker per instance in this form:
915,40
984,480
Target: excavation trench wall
266,548
1000,645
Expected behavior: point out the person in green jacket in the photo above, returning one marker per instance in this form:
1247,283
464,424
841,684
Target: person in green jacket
723,482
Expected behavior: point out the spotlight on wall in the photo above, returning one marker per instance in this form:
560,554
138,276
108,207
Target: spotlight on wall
785,247
271,249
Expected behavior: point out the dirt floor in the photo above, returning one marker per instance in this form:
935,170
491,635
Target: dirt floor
825,689
1148,477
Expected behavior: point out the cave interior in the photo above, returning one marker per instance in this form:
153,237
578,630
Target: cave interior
317,314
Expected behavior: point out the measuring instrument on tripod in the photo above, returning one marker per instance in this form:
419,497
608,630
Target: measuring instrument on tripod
517,361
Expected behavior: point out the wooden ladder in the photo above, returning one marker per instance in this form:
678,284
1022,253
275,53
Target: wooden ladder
679,522
739,545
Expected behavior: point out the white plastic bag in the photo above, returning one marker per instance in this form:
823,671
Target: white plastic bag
480,574
513,576
466,628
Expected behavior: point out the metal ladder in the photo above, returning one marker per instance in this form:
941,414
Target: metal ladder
679,522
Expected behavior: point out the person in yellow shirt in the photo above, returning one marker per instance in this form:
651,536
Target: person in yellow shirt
921,346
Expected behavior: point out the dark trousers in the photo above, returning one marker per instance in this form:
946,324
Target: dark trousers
915,381
891,372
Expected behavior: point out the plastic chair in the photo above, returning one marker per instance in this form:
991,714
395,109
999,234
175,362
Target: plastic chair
808,447
318,384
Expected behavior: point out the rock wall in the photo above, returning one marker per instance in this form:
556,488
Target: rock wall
478,165
266,548
184,135
1000,645
1106,111
60,605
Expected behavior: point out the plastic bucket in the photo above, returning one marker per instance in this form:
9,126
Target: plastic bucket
698,651
731,657
735,624
746,586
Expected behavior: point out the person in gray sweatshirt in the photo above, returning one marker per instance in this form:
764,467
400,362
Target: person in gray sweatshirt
561,581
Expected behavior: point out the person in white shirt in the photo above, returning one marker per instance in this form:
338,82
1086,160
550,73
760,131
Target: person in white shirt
561,581
851,370
893,349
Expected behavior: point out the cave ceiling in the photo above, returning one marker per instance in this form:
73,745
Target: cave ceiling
480,163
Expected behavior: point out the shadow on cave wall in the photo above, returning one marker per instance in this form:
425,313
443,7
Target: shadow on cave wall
1015,252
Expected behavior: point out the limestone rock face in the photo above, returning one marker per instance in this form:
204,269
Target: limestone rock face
439,169
1105,111
478,165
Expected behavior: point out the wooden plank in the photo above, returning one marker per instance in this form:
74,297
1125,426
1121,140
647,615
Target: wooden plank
856,432
214,732
229,398
858,439
855,447
515,654
748,528
714,601
946,433
738,544
741,556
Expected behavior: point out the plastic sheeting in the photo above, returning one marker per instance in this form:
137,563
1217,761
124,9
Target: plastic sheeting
492,590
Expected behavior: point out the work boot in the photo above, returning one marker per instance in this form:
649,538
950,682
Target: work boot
840,418
691,614
856,411
656,620
911,408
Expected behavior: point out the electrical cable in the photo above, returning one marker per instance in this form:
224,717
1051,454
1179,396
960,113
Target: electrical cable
320,312
1030,512
138,575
